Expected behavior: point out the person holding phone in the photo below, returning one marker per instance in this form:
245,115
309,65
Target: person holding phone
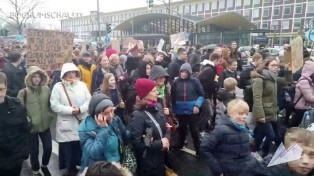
102,133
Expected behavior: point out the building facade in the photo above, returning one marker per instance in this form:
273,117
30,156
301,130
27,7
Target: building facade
285,18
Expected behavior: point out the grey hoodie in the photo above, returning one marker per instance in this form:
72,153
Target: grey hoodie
157,72
186,66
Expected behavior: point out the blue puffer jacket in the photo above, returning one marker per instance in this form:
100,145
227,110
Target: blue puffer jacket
102,143
186,93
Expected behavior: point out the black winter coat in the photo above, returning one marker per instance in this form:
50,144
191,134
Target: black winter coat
150,159
14,134
174,69
207,79
226,151
245,83
226,74
16,76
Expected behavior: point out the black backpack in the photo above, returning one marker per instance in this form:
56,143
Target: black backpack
288,94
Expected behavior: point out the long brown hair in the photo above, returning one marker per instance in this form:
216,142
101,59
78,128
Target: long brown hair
105,84
265,64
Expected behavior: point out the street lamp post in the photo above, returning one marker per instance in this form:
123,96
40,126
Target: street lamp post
98,21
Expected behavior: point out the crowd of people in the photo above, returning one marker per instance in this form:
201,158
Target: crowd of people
122,114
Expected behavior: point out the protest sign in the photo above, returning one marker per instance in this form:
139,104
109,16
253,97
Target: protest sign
49,49
296,54
178,39
160,44
115,44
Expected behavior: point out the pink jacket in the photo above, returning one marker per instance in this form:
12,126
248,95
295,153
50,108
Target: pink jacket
305,87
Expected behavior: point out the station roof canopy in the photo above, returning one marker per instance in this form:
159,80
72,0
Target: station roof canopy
230,20
137,20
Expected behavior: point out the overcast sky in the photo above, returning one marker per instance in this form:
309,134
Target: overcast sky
78,6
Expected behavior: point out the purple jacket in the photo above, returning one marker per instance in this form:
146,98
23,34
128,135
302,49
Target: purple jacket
305,87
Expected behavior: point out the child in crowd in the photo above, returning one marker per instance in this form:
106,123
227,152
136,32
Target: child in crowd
303,166
226,150
224,96
231,71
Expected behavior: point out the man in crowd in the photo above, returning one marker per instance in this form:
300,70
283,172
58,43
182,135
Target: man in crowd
174,66
14,132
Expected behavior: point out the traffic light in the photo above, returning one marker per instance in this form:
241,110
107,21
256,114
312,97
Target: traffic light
150,3
108,28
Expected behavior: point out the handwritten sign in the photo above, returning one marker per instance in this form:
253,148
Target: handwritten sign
296,53
49,49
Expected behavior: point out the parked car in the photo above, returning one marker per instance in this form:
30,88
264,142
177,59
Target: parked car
273,52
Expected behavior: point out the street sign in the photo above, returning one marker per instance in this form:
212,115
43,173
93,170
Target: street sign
309,35
107,39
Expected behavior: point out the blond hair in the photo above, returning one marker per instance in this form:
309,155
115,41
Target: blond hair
299,135
114,56
239,106
230,84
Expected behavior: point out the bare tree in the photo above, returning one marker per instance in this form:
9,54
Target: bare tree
22,11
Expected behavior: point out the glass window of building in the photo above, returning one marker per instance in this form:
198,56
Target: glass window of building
298,8
265,25
229,3
222,4
256,1
310,7
206,6
266,12
247,2
276,11
297,24
266,1
214,5
200,7
246,13
287,10
238,3
193,8
181,9
285,24
277,0
255,13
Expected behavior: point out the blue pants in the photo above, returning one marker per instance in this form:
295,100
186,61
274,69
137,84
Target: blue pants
45,138
264,130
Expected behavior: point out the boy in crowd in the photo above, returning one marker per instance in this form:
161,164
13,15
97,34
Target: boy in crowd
86,67
14,132
187,97
303,166
226,150
230,72
224,96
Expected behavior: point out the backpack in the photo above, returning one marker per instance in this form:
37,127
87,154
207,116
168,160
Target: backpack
288,94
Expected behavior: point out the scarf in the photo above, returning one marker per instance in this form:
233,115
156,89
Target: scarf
161,91
242,128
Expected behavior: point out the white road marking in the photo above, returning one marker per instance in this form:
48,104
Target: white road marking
55,148
192,152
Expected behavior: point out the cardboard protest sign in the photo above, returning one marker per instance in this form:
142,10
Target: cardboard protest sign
287,59
49,49
130,43
296,54
115,44
178,39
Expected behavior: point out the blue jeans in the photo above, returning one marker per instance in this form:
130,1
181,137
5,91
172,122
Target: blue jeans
264,130
45,138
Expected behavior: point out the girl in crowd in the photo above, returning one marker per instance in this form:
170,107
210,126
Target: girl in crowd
98,74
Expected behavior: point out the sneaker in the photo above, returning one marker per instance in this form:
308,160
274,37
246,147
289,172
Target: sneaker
45,170
257,156
36,173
